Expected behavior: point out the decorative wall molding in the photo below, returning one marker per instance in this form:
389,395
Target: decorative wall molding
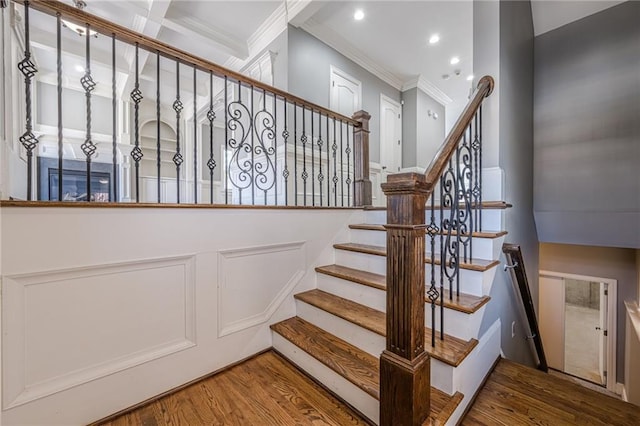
64,328
241,272
429,88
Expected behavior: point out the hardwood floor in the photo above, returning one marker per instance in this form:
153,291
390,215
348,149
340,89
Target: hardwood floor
265,390
518,395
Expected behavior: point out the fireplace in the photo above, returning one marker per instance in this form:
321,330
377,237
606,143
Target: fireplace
74,180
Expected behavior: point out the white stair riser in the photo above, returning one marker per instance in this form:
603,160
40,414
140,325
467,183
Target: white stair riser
363,294
471,282
492,219
458,324
359,399
373,343
482,248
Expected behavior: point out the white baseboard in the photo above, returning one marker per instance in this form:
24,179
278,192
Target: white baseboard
620,390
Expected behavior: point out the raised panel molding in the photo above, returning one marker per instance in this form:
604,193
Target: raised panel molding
64,328
254,281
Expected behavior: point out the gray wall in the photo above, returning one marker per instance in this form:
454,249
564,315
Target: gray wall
587,130
515,122
601,262
421,134
309,62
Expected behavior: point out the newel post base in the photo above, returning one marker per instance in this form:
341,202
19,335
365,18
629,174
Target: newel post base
362,195
405,388
404,365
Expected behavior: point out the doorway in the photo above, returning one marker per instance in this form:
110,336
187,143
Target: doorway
390,136
577,324
346,92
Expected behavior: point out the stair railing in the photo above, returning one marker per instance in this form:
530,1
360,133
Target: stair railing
277,148
515,267
457,169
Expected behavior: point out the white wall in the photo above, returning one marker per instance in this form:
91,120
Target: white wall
106,307
632,354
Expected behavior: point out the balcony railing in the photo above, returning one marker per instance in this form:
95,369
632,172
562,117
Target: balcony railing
143,121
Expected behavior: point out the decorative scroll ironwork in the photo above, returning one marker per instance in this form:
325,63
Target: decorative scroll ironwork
264,150
136,152
334,149
285,171
449,251
211,116
465,214
28,69
347,151
240,123
304,140
178,106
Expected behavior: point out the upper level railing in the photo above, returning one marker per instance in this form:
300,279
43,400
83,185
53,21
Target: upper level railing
164,126
456,171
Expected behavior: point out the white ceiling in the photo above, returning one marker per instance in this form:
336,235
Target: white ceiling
551,14
391,41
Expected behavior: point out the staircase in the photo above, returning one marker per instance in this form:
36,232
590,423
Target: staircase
339,331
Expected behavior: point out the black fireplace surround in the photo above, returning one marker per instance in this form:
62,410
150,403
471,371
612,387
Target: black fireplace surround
74,180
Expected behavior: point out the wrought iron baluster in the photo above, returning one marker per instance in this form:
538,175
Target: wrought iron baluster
178,106
320,175
313,163
28,69
328,165
275,146
285,172
114,119
295,152
211,116
334,149
475,146
136,152
442,242
253,170
59,81
158,133
226,142
195,137
480,169
347,151
341,164
303,139
432,231
88,147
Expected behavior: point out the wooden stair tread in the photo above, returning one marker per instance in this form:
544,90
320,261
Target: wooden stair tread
355,365
475,265
475,234
466,303
451,350
492,205
352,363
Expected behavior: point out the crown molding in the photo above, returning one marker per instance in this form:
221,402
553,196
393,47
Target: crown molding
429,88
334,40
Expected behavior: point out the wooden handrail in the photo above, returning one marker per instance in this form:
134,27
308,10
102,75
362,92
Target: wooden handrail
450,144
80,17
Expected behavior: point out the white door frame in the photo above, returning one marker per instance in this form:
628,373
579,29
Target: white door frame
611,320
335,71
384,98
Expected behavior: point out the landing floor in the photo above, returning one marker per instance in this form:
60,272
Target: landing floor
266,390
518,395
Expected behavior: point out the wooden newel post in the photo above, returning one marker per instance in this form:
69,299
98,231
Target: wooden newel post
404,365
362,191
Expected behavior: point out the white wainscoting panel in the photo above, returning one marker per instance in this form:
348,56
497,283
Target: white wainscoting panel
253,281
60,326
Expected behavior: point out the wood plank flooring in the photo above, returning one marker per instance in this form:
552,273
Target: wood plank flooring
518,395
265,390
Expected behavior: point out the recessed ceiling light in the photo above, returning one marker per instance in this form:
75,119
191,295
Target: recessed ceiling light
454,60
359,15
79,68
470,77
434,39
